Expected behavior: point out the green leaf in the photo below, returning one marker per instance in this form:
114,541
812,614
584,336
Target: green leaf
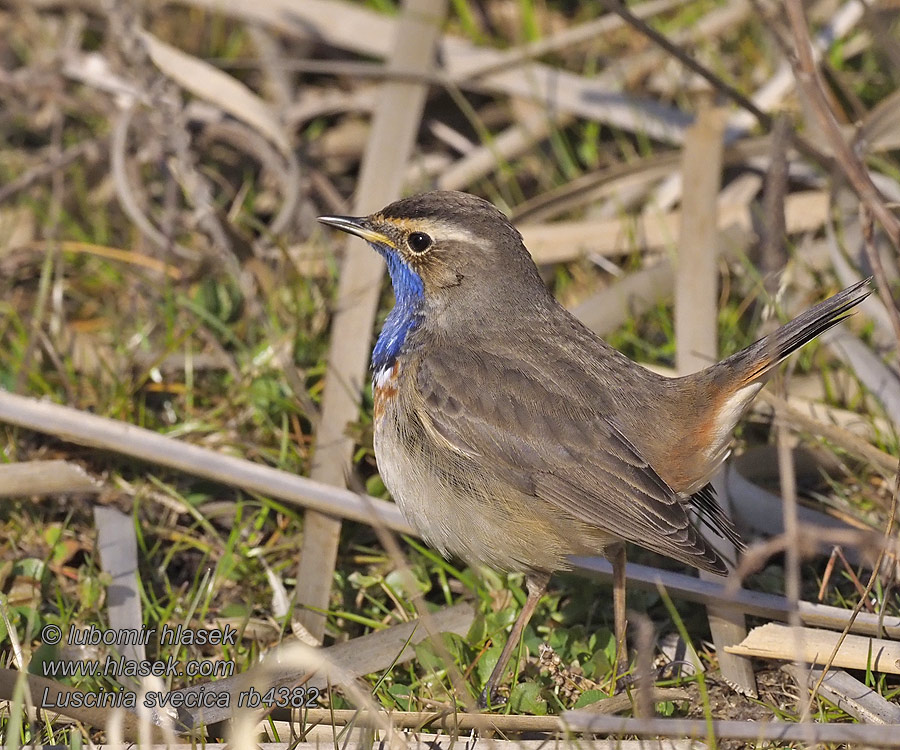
598,665
666,708
90,590
41,655
375,486
52,534
403,696
360,580
428,658
30,567
236,610
487,662
588,697
526,699
399,582
478,631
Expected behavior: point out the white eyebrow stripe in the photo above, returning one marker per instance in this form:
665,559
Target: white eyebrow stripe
454,232
441,231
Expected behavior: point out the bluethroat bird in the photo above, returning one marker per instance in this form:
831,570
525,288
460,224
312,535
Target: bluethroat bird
512,436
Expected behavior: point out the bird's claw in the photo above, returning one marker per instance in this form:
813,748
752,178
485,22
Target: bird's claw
490,698
664,672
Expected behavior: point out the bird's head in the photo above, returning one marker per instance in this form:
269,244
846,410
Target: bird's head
443,243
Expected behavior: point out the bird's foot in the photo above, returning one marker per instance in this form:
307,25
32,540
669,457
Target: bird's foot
490,698
623,683
665,672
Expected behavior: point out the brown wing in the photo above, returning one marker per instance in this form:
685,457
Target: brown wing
539,432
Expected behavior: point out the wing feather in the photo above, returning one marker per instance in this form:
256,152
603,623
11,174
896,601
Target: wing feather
536,432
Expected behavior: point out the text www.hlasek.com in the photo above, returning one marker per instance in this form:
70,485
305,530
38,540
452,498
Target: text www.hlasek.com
119,666
122,667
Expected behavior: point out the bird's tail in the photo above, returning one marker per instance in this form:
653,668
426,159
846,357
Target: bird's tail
723,392
754,362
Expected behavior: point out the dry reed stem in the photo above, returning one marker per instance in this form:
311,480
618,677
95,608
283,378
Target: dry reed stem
450,720
391,138
872,578
751,731
118,549
787,479
83,428
815,646
810,81
696,319
848,694
842,438
770,606
45,478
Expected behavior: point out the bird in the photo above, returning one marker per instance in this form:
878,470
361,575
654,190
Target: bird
513,437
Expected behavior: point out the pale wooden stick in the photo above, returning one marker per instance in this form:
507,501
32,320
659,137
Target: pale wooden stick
696,318
83,428
464,722
776,641
561,241
391,140
755,603
45,478
847,693
758,731
810,82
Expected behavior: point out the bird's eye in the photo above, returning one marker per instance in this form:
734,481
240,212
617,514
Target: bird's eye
418,242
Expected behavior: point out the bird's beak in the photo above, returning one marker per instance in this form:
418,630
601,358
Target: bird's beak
359,226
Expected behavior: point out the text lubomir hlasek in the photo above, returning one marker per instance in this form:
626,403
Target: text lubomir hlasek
177,635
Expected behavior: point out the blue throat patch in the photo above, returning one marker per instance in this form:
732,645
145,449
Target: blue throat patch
404,317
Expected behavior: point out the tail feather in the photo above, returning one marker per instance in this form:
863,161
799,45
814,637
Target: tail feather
768,352
726,389
711,515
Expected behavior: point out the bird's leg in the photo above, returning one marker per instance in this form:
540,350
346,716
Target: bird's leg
537,586
616,554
